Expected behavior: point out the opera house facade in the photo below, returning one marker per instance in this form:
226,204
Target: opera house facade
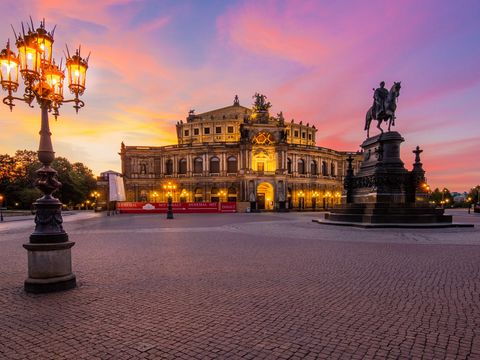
242,155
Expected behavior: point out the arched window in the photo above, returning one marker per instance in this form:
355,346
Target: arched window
198,194
214,195
169,167
143,168
313,168
214,165
232,164
198,165
182,166
301,166
332,169
324,168
232,194
289,166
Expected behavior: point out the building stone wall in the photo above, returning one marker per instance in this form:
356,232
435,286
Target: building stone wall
238,154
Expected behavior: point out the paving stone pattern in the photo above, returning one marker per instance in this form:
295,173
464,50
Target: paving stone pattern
247,286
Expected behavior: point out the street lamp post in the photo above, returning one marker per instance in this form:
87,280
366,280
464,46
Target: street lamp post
95,195
49,250
221,194
1,207
338,197
327,195
169,187
301,199
315,196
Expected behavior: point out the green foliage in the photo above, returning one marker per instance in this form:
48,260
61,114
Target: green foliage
442,197
18,174
474,195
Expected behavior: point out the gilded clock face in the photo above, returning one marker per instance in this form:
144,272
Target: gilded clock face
263,138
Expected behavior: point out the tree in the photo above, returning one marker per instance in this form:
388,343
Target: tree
441,197
474,195
18,174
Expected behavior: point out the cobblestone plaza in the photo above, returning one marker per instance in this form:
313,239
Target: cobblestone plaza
247,286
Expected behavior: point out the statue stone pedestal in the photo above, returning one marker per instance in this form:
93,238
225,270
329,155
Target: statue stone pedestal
385,194
382,177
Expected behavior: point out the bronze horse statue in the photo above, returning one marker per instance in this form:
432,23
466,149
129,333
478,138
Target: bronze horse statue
390,105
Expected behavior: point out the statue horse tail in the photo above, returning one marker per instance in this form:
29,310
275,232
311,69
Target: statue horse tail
368,120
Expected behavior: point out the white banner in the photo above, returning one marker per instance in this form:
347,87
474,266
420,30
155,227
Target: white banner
116,189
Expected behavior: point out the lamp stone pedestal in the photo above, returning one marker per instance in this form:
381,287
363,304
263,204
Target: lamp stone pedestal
49,250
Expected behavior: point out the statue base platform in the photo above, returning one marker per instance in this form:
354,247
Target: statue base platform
389,215
384,193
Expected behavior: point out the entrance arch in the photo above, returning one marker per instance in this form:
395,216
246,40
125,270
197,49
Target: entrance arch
265,196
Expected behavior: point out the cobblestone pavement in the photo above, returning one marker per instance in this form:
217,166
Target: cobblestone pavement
247,286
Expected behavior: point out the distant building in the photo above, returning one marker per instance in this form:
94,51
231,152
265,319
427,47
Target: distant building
239,154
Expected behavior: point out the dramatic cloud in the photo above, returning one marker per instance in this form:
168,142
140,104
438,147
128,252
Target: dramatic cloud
317,61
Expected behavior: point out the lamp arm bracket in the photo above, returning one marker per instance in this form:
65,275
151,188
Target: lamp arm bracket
8,100
78,103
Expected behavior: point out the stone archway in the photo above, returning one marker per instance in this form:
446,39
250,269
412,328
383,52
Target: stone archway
265,196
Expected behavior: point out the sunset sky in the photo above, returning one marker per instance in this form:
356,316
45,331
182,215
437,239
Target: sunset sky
317,61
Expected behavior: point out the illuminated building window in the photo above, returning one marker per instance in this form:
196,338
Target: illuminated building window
260,166
232,194
198,165
169,167
232,164
214,165
301,166
324,168
196,131
182,166
218,130
230,129
198,194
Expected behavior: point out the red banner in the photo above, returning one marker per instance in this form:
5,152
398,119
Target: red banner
177,207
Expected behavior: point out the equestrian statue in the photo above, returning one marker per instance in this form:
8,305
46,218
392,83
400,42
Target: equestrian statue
384,106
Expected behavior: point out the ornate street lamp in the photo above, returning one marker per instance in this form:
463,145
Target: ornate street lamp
169,187
327,196
221,193
49,250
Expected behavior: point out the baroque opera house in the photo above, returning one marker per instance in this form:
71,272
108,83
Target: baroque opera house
242,155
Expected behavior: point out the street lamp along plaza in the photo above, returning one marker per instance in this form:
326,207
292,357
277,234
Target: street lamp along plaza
49,250
169,188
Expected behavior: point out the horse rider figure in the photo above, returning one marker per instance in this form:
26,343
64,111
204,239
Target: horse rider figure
380,96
